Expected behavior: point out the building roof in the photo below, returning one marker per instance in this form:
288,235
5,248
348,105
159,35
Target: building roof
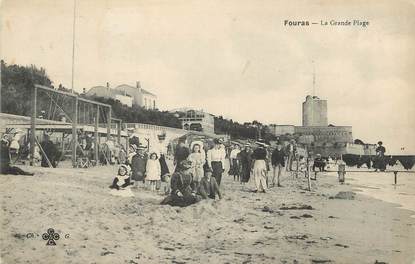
122,86
110,91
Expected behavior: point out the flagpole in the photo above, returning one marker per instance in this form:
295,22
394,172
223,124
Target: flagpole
73,44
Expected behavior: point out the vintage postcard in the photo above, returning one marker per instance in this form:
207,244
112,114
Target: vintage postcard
189,131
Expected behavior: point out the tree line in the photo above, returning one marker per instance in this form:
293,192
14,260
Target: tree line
18,82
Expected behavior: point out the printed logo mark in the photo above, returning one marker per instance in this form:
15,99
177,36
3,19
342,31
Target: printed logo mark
50,236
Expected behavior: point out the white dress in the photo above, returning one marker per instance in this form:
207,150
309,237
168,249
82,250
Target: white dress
153,170
198,160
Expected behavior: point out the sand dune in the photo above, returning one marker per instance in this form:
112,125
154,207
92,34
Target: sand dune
285,225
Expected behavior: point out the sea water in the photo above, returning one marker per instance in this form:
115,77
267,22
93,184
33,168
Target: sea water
381,186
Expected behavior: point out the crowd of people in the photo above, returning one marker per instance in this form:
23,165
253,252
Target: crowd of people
198,171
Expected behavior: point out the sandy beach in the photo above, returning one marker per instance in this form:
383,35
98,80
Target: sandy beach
285,225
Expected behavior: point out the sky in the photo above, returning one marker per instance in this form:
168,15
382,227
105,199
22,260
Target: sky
233,58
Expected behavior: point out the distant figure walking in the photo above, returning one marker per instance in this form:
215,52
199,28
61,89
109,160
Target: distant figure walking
245,160
278,162
260,167
215,160
291,149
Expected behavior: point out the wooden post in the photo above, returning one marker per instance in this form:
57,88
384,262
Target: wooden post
74,131
119,132
308,175
127,146
396,177
96,136
341,172
63,144
109,123
33,127
297,160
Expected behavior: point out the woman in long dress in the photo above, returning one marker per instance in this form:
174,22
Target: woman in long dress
245,160
198,159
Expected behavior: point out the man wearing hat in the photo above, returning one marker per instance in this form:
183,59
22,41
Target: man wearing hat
5,167
138,165
181,190
216,159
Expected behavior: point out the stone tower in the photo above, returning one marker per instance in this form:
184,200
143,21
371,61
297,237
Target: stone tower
314,111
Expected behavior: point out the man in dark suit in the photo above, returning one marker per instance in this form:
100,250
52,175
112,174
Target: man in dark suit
278,163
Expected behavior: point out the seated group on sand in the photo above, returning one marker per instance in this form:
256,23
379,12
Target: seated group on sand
191,181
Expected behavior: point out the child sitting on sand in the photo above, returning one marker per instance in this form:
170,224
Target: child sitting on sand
153,171
122,180
208,187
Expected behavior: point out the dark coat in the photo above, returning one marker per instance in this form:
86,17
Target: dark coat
181,182
278,157
138,167
245,160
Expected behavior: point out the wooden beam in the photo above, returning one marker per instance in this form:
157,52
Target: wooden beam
33,126
69,94
109,124
44,154
96,135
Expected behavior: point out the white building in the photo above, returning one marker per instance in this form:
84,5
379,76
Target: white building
126,94
196,120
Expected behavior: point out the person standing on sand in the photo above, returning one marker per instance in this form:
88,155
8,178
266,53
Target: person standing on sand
198,160
260,167
181,153
138,166
291,149
380,157
234,162
244,158
215,160
278,162
153,171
